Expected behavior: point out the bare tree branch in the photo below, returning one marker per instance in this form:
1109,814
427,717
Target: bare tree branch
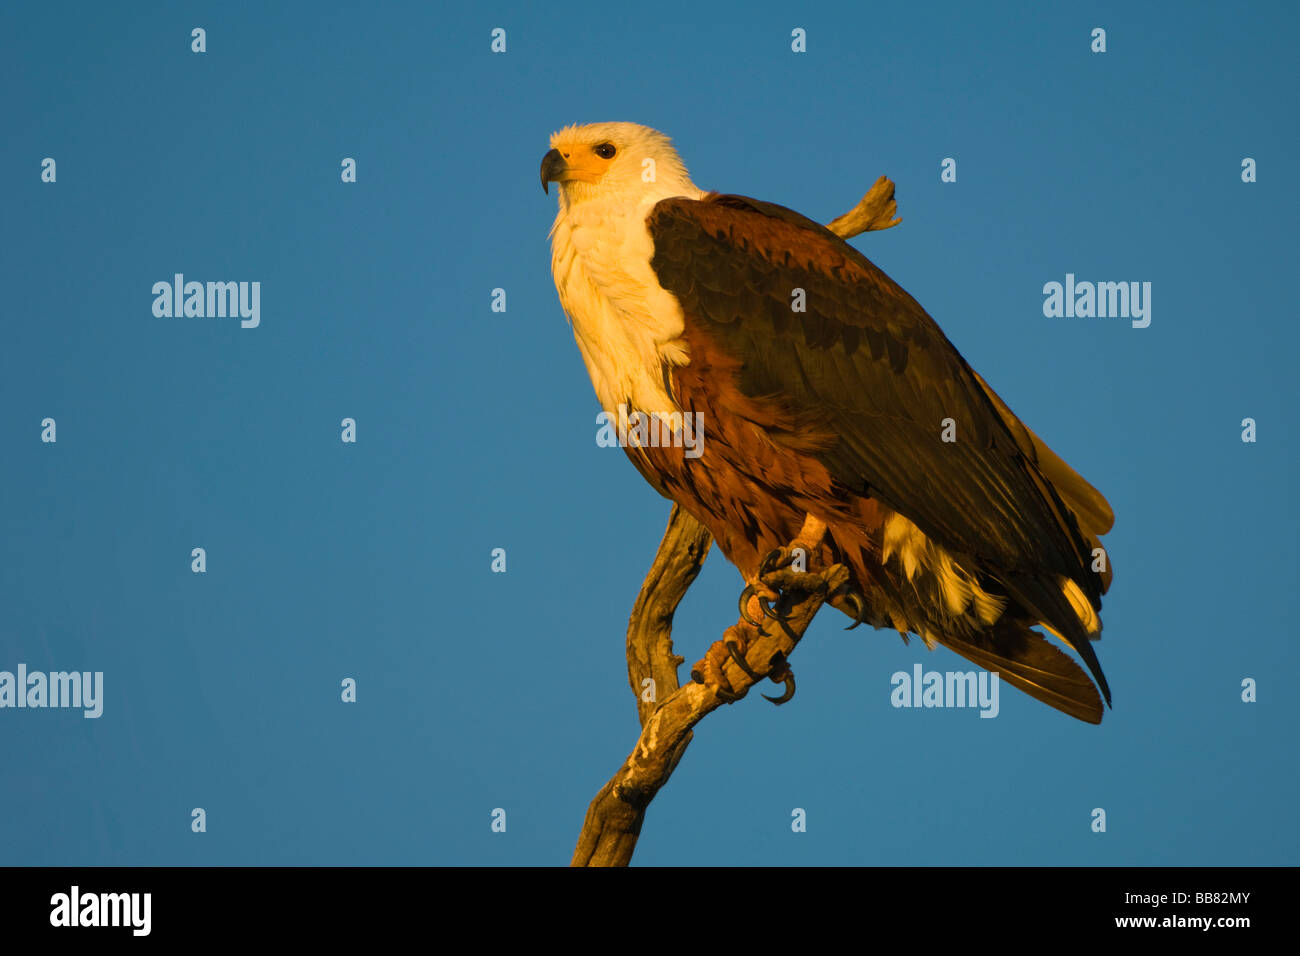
614,818
875,210
650,654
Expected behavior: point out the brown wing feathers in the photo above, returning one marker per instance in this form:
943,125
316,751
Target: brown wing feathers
865,363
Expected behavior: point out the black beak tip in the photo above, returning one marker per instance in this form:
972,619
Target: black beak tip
552,164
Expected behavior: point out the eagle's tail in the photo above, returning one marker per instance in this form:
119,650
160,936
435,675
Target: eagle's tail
1028,661
996,636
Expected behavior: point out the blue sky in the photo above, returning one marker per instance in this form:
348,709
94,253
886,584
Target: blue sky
476,429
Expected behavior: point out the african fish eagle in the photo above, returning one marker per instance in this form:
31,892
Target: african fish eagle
832,426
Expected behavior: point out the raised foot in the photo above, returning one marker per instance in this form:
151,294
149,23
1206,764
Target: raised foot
782,583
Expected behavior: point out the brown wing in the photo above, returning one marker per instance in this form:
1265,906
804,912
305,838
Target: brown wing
866,363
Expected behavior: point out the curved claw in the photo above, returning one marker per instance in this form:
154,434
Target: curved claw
773,611
789,691
751,590
772,561
854,598
725,695
741,662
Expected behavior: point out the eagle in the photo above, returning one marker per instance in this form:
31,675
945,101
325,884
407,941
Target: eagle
836,415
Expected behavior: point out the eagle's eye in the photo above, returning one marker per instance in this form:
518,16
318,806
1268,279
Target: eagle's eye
605,150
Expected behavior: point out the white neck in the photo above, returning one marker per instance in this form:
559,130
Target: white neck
627,327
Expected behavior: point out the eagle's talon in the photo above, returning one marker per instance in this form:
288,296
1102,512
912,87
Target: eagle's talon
787,587
789,691
708,671
743,664
781,673
774,610
750,593
775,560
853,597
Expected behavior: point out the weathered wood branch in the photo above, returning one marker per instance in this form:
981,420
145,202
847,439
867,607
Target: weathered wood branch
615,816
669,714
875,210
613,823
650,655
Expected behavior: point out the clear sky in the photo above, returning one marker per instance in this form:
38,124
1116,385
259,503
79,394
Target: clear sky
476,429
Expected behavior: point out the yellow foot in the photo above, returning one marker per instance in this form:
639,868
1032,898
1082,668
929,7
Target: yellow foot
709,670
711,673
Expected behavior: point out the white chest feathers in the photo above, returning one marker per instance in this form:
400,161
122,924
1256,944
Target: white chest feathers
625,324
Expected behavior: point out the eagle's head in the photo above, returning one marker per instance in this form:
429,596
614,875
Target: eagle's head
622,161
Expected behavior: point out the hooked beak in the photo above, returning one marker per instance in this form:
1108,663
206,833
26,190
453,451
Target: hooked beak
553,169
